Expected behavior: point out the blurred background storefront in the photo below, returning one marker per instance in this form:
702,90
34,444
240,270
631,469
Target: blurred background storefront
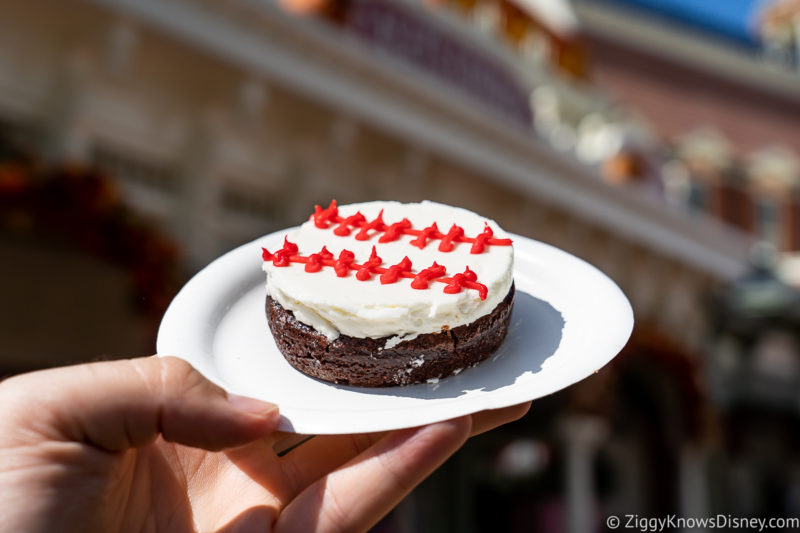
658,140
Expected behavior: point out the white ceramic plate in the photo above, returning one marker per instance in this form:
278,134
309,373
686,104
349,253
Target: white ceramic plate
569,320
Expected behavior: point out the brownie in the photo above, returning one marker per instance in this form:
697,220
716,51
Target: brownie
364,362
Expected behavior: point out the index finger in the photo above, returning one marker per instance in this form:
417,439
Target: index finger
358,494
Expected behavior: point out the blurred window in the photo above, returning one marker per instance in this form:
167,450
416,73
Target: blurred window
394,29
768,220
676,182
736,206
19,136
779,31
241,200
535,46
794,225
134,169
487,16
698,197
776,356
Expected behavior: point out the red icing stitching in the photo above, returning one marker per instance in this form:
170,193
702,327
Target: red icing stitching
343,229
346,262
324,218
281,257
394,231
431,232
376,224
367,269
456,232
314,263
424,277
469,280
481,240
394,272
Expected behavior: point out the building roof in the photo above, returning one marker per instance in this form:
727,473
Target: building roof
735,20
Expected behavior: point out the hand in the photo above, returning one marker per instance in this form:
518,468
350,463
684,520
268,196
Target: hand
150,445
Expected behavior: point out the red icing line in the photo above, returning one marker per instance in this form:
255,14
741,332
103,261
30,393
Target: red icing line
456,232
431,232
364,272
376,225
343,229
424,277
394,272
367,269
467,279
314,263
345,262
393,231
324,218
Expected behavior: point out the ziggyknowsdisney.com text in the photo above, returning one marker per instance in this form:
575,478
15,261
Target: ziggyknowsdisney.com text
720,521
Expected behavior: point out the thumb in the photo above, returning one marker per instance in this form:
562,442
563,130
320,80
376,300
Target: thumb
117,405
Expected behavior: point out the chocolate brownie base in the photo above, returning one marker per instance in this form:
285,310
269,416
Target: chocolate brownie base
364,362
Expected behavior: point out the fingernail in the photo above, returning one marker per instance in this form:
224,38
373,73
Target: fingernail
251,405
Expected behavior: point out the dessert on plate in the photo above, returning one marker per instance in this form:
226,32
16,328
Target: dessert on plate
384,293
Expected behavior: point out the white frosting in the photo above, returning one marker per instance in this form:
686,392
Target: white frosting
335,306
391,342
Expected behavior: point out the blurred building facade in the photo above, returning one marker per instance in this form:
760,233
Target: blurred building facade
726,113
217,122
725,102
